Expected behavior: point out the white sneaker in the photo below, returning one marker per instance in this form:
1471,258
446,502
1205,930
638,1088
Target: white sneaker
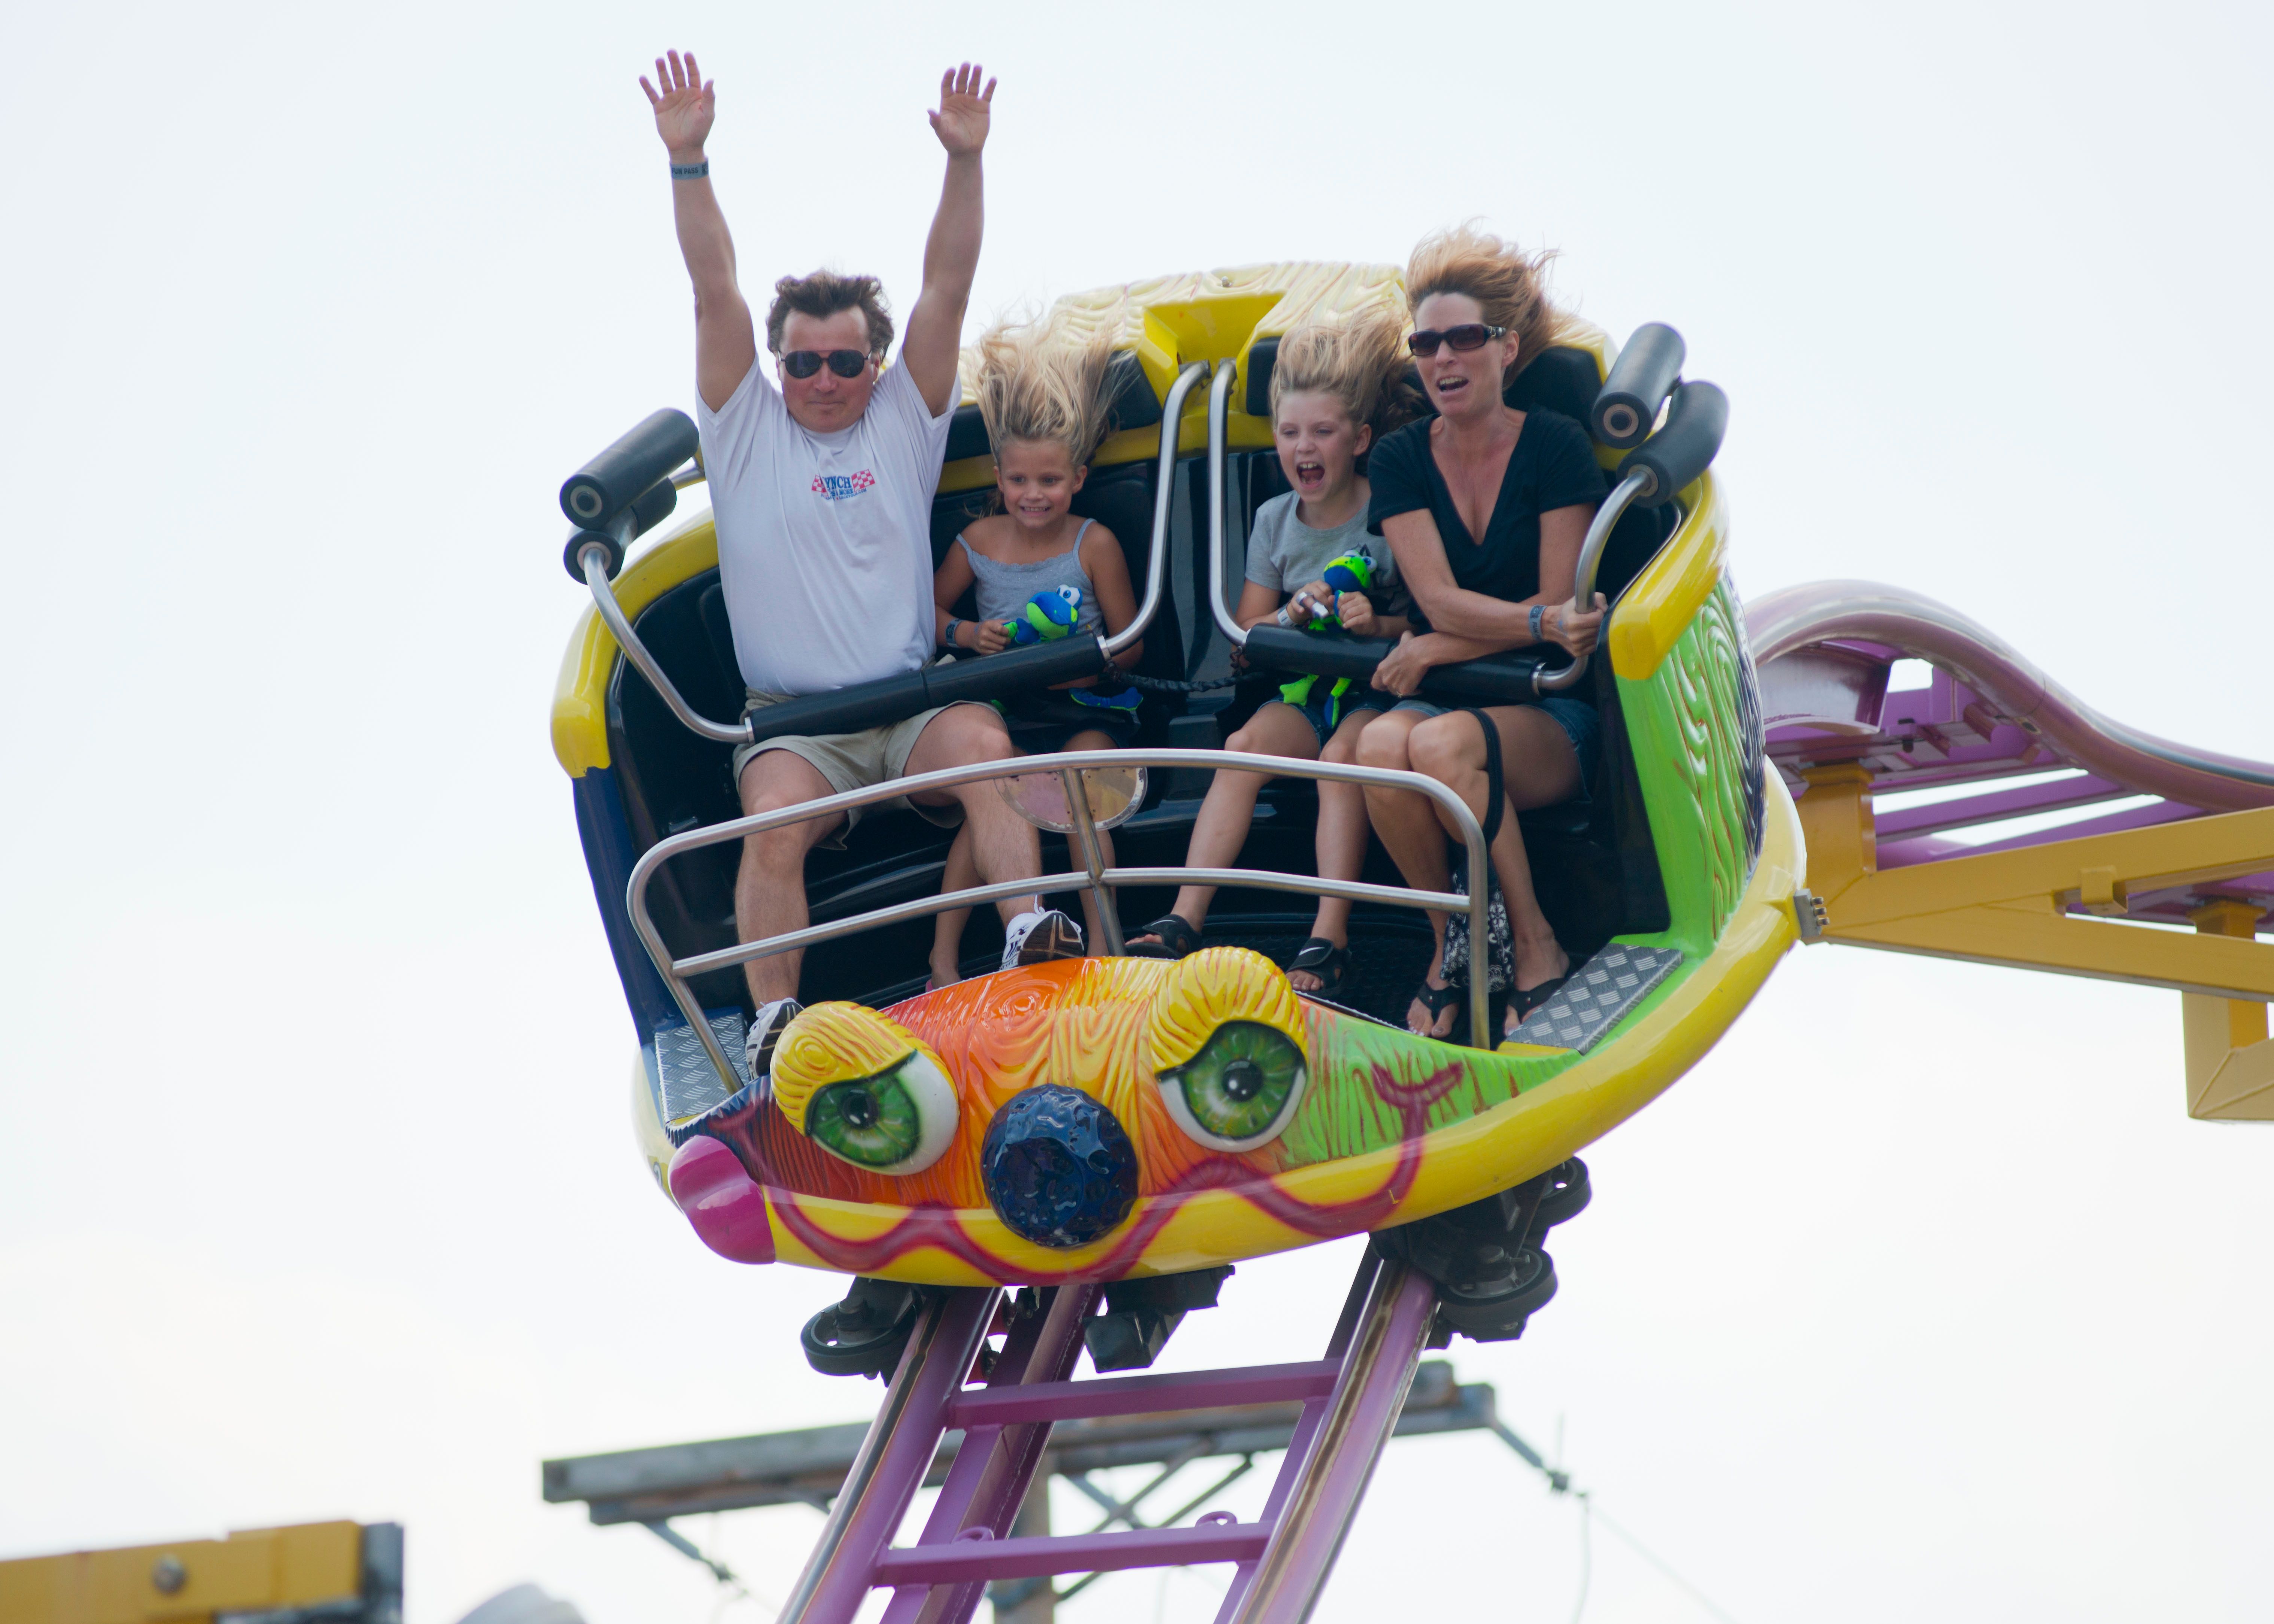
766,1027
1039,936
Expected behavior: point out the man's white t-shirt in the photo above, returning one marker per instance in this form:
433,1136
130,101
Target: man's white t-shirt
824,540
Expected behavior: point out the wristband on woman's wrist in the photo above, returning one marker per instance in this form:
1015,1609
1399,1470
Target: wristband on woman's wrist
1538,610
947,637
699,170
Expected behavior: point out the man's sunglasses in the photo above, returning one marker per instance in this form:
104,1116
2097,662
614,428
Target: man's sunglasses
1469,335
844,363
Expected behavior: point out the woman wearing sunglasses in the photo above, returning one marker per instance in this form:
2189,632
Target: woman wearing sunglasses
1484,508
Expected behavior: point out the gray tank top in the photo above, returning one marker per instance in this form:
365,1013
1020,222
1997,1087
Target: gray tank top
1003,590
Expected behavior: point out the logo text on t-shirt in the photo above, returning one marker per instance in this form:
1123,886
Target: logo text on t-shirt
838,487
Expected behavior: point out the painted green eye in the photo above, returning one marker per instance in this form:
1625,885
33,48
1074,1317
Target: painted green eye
899,1121
1240,1089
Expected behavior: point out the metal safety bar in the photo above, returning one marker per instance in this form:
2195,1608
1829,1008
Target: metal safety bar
1638,482
593,560
1219,408
592,557
1157,562
1095,877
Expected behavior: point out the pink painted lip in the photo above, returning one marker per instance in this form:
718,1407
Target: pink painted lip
723,1202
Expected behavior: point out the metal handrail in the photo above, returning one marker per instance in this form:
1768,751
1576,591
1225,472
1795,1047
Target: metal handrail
1157,562
1219,408
1591,560
1095,877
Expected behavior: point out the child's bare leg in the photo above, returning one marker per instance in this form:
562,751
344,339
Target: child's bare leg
962,870
1221,828
1341,842
1092,923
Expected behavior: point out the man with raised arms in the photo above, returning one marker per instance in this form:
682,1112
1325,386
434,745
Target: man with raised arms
822,490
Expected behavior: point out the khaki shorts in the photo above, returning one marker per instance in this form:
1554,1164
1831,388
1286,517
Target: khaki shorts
851,761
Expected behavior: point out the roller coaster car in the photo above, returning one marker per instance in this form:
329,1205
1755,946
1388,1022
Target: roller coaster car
1117,1118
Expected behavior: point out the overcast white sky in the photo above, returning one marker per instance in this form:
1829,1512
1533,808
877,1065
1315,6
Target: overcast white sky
1920,1295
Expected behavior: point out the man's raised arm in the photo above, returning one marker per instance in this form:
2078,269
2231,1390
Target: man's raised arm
726,344
951,252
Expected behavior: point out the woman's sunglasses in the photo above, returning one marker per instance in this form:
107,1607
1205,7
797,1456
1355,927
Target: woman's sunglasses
1469,335
844,363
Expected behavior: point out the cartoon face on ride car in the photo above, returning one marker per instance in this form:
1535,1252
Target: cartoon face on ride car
1076,1103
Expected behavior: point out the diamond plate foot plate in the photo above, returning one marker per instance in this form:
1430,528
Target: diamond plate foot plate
1596,994
690,1082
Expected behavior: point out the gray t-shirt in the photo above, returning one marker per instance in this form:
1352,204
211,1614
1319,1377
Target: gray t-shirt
1286,554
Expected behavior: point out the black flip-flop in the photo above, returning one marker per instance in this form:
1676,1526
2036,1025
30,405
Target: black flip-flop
1434,999
1178,938
1523,1001
1322,958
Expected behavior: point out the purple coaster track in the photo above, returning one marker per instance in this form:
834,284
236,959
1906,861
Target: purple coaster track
1824,651
1351,1401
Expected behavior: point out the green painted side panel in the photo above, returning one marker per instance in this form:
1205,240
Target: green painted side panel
1374,1086
1696,735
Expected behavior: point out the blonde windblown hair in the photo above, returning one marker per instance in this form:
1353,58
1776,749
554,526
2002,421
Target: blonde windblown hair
1045,379
1510,285
1358,358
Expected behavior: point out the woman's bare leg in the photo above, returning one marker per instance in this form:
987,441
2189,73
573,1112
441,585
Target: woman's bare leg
1221,828
1537,768
1409,829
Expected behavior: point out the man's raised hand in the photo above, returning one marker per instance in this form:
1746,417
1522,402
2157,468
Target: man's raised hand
961,122
686,106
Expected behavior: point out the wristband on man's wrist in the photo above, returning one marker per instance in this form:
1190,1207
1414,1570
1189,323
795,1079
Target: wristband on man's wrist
692,171
1538,610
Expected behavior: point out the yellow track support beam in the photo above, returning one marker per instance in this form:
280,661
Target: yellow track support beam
2020,909
263,1571
2229,1061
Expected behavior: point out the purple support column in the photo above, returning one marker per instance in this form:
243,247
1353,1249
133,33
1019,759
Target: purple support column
907,1436
1359,1418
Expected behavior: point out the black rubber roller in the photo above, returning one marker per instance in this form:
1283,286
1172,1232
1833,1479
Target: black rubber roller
654,506
1686,448
608,484
1626,408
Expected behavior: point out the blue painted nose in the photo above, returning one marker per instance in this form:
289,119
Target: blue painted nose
1060,1170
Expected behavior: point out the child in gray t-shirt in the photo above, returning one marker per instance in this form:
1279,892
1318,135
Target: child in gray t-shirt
1327,388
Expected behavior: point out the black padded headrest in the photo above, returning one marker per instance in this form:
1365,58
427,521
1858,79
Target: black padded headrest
1135,406
1561,378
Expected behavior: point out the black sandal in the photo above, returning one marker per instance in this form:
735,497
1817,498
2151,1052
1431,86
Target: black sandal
1322,958
1434,999
1178,938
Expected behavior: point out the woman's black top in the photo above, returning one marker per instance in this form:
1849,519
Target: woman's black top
1553,466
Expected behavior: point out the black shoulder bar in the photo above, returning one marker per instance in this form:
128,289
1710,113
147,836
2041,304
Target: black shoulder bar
1686,448
1496,680
1626,409
895,699
612,481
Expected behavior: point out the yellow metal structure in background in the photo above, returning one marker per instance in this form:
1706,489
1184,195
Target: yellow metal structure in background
2060,907
332,1571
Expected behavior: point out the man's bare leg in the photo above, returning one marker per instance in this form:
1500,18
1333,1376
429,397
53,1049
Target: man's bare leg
1004,845
769,889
